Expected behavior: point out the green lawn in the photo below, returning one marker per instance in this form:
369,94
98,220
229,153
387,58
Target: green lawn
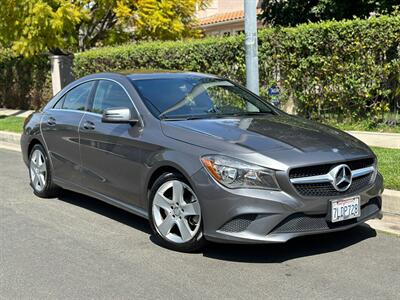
389,166
13,124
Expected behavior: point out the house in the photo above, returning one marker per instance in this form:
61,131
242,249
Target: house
224,17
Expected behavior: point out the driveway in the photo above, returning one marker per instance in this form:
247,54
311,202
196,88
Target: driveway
77,247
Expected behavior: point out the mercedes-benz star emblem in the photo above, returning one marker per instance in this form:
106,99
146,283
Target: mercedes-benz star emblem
342,178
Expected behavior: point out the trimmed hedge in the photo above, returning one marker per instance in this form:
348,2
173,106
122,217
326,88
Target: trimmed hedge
347,69
25,83
222,56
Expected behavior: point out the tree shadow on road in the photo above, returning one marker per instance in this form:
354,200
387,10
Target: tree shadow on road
264,253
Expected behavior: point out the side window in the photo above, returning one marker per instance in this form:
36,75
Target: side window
110,94
76,98
59,103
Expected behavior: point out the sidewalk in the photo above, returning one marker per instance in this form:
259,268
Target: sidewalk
378,139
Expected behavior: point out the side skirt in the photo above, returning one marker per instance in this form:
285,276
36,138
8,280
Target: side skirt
82,190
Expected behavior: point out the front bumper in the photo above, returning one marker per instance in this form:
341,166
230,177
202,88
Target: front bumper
263,216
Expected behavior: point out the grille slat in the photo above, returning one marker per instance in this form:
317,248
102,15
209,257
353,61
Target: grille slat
326,189
325,168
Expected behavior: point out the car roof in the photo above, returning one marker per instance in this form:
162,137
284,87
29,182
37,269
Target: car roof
142,75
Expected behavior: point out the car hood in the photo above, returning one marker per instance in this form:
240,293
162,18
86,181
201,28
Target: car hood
271,135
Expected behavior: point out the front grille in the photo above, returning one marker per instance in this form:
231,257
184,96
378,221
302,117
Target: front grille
239,223
326,189
300,222
325,168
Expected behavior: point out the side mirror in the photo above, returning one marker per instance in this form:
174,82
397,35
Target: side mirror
119,115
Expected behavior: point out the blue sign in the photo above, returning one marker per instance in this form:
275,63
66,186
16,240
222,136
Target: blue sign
274,91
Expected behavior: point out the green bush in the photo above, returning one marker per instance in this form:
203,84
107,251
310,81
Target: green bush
349,68
222,56
25,83
344,70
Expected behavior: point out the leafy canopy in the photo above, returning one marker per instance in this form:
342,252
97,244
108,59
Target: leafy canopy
293,12
33,26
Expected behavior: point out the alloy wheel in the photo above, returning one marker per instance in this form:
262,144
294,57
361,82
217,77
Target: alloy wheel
176,212
38,170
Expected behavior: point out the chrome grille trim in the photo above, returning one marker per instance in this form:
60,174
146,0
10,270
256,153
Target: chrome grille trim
362,172
329,178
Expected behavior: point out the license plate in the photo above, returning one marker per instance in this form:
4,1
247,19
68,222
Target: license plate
345,209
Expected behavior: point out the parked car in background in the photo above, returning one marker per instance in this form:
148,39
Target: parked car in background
202,158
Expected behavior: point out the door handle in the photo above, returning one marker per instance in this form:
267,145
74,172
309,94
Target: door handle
89,125
51,121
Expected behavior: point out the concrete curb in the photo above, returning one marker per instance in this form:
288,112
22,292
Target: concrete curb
10,137
10,146
15,112
389,224
391,202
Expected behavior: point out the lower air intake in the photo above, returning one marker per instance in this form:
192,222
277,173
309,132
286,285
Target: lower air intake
300,222
239,223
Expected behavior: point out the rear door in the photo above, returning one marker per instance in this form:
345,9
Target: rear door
111,153
60,131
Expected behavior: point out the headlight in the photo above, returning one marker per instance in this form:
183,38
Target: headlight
234,173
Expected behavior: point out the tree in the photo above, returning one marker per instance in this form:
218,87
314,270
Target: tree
167,19
293,12
30,26
33,26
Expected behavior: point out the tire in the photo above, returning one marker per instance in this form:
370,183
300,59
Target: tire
40,173
175,214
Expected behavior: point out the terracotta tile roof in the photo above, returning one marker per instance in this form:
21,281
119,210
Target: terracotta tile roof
224,17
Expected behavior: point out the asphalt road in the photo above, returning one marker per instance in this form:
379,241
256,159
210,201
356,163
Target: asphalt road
78,247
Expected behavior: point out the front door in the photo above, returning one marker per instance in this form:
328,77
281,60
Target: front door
111,153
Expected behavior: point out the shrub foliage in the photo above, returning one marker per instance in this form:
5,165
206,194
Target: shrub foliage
25,83
349,68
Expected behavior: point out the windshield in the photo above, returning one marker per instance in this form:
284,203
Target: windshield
197,97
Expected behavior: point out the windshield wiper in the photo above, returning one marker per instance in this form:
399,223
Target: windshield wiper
182,118
253,113
212,116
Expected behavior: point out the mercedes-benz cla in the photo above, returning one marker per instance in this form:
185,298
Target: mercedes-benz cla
202,158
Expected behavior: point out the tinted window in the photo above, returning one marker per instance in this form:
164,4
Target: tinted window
76,98
110,94
197,96
59,103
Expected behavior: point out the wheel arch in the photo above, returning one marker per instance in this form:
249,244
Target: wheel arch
32,143
37,141
167,168
197,240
